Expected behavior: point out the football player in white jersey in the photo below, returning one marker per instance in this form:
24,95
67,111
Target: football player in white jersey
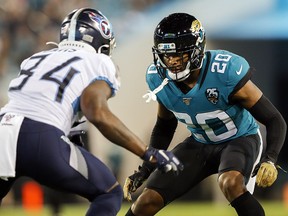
211,92
54,88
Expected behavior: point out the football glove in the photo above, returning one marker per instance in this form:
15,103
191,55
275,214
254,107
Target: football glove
134,181
266,173
165,160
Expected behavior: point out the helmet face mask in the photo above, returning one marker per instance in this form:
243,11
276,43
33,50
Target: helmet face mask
175,62
88,28
179,34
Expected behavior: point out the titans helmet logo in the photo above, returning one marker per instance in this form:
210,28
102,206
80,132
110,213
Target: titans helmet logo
102,24
212,94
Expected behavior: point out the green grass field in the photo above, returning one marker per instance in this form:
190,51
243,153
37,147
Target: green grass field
174,209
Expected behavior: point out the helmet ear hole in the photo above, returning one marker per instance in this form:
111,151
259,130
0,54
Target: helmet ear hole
88,26
104,49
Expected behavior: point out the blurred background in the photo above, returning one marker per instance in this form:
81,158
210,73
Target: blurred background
256,29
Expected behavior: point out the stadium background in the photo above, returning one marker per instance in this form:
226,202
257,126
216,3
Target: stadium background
255,29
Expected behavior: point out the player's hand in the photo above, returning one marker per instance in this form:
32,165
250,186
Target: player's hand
266,174
134,181
165,160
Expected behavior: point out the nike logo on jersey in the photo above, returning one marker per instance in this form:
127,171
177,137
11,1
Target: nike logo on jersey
239,71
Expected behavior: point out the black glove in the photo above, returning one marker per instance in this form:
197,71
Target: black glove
76,137
134,181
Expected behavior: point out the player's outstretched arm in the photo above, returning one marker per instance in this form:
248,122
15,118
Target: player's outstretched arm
161,137
252,98
95,108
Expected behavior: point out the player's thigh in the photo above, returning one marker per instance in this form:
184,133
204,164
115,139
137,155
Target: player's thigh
241,154
45,155
83,173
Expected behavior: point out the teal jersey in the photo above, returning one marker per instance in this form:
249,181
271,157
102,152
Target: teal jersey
206,108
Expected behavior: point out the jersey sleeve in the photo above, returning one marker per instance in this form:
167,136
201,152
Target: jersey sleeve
105,69
150,77
238,73
23,63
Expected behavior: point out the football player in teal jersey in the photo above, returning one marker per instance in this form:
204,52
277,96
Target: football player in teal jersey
212,93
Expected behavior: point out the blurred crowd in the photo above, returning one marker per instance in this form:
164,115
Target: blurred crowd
26,26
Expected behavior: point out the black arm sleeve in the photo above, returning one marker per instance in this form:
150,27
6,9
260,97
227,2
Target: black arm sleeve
265,112
162,135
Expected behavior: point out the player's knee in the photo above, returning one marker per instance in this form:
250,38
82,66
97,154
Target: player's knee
114,200
149,201
227,183
232,184
117,198
107,203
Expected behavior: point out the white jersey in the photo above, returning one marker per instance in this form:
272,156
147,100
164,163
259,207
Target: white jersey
50,84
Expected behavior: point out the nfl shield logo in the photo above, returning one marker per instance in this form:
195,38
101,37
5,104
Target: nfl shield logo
187,101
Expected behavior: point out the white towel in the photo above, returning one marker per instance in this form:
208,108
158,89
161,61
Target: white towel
9,130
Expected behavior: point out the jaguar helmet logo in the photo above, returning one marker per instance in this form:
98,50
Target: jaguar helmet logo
196,26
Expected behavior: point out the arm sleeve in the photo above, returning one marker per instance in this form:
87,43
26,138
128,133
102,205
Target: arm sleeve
265,112
163,133
161,137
